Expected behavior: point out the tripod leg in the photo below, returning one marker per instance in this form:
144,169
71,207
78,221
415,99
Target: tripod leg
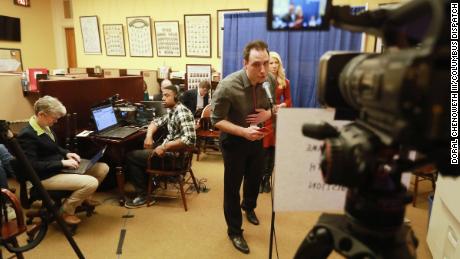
318,244
19,255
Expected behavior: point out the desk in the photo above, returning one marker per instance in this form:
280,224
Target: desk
116,150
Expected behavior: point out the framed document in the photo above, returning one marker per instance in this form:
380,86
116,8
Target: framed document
90,33
25,3
197,35
196,74
168,38
220,27
10,60
139,36
114,39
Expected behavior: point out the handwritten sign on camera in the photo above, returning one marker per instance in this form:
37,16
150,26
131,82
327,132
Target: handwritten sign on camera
298,182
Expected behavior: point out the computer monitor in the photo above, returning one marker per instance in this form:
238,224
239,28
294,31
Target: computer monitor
298,14
104,117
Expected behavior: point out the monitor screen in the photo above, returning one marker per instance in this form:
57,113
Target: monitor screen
104,117
298,14
10,28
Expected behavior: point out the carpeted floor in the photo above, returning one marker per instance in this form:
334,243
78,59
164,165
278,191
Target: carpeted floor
165,230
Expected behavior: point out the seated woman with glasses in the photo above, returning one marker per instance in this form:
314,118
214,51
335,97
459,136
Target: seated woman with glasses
48,159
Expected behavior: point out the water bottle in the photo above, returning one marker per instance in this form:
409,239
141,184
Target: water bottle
24,82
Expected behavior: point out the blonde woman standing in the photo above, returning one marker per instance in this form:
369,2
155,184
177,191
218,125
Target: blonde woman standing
282,99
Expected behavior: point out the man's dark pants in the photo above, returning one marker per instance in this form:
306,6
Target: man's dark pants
136,164
242,159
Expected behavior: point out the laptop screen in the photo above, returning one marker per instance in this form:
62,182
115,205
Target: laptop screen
98,155
104,116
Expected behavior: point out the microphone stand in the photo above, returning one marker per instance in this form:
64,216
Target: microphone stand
272,221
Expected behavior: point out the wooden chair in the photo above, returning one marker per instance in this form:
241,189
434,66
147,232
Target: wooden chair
206,133
174,168
12,228
428,172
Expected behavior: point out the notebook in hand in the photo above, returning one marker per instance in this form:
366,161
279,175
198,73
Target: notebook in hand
107,124
86,164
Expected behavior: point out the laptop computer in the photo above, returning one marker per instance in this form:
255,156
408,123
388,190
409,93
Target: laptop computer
157,107
107,124
86,164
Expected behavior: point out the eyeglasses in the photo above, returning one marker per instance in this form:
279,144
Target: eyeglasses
52,116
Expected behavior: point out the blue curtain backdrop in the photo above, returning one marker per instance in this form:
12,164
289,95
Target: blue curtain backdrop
300,51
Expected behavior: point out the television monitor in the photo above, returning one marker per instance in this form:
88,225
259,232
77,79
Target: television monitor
10,28
298,14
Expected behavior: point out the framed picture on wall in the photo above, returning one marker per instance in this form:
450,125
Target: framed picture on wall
10,60
195,73
114,39
90,32
220,27
197,35
25,3
139,36
167,38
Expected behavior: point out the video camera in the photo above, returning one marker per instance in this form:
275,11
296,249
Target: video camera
401,99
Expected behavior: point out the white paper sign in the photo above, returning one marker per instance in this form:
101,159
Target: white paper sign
298,182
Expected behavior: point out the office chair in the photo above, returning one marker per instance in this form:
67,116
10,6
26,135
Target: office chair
173,169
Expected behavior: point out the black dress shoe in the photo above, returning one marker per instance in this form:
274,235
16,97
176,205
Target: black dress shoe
240,244
251,216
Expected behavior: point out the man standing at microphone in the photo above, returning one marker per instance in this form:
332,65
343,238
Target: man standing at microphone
240,105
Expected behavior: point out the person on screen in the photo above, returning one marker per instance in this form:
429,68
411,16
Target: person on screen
289,17
47,159
240,106
298,22
282,99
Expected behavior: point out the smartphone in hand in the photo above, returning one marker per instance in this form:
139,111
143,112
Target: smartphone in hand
264,130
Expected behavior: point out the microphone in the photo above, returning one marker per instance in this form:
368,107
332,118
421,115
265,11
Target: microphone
266,86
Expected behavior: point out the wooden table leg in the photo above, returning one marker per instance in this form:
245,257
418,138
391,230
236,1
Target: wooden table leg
121,184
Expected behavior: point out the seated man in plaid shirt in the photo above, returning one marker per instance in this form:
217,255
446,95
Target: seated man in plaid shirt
180,124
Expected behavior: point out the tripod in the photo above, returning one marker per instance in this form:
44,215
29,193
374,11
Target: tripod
372,226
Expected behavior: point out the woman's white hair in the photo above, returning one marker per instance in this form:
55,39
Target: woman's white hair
49,105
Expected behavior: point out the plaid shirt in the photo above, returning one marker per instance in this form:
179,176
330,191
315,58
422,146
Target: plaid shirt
180,123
